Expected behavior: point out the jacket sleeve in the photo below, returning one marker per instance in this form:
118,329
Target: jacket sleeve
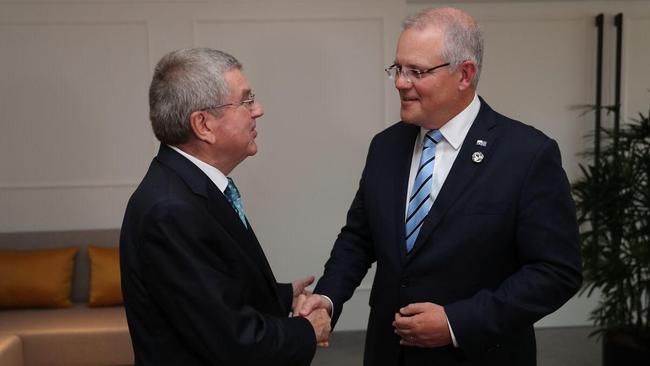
547,244
286,295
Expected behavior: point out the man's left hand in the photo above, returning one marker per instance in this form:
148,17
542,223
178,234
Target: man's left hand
422,324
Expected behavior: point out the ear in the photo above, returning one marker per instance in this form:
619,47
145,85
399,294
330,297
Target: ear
467,72
200,127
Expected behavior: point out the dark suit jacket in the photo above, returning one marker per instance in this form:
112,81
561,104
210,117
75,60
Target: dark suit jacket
197,287
498,249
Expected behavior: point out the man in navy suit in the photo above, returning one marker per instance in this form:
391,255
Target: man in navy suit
197,287
467,213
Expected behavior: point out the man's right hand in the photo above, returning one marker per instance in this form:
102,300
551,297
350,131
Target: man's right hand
321,323
315,305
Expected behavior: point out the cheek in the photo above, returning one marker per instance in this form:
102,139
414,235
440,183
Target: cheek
246,136
239,130
427,103
432,98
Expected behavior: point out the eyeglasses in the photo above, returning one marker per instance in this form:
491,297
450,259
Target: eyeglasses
395,70
248,103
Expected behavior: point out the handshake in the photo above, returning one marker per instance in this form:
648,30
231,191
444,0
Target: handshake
421,324
314,308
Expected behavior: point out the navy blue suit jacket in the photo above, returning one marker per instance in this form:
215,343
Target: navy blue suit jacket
498,249
197,287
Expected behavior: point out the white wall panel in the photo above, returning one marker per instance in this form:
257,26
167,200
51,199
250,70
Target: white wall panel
73,102
75,135
538,71
72,113
636,64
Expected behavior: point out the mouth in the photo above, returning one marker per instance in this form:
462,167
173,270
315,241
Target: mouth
408,99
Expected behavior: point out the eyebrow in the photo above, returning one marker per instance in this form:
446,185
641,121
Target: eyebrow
409,66
245,94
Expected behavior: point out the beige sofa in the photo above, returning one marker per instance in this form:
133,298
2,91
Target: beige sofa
11,350
79,335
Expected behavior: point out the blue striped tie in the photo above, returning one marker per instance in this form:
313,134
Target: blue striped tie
420,201
234,198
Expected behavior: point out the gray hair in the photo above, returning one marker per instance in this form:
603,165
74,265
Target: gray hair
463,37
186,81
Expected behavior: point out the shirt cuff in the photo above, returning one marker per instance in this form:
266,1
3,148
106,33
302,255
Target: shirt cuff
453,337
332,305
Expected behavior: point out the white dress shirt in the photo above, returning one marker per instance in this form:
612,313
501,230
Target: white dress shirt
453,135
215,175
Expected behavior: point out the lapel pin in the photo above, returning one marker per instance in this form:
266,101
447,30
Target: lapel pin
477,157
481,143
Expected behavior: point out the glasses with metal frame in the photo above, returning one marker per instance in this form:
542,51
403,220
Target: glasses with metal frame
248,103
395,70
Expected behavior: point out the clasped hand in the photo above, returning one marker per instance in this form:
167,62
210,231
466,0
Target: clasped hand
422,324
318,316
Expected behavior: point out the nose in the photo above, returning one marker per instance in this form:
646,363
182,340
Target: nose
402,83
257,111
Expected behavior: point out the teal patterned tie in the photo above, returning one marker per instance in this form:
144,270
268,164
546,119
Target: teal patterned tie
234,198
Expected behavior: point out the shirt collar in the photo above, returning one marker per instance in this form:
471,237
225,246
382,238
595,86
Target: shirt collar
213,173
455,130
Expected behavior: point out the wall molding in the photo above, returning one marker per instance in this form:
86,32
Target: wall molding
201,21
77,22
69,185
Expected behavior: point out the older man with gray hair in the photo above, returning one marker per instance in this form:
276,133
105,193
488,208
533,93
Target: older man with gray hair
467,213
197,287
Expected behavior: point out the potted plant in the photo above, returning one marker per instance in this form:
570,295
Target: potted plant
613,205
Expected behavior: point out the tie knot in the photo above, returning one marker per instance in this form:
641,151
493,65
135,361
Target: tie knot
231,192
432,137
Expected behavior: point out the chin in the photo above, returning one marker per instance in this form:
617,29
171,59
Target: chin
407,118
252,150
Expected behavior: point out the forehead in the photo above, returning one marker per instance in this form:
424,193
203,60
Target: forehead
419,47
237,83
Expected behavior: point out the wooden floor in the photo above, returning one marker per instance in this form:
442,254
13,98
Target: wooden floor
555,347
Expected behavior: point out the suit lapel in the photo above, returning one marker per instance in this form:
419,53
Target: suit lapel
403,152
220,209
244,237
462,174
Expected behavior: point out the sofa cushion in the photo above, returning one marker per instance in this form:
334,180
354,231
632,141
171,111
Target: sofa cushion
104,276
62,239
78,335
36,278
11,350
